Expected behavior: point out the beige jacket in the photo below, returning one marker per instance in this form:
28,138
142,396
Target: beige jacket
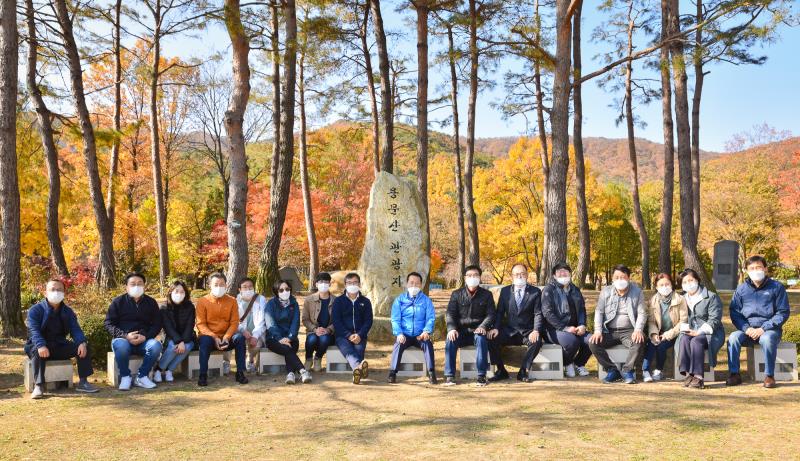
678,312
312,305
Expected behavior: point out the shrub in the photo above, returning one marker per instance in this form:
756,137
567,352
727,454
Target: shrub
791,331
99,339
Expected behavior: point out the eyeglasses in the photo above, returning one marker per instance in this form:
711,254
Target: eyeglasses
284,290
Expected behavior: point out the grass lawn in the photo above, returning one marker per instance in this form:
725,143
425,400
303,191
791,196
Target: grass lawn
332,419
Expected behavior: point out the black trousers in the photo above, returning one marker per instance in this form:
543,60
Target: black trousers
518,339
62,351
289,353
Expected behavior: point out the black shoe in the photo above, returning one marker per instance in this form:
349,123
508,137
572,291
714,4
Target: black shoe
241,378
202,380
432,378
481,381
501,375
522,374
392,378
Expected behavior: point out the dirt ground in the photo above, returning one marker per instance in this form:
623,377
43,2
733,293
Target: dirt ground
333,419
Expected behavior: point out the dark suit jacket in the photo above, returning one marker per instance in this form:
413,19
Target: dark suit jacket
523,319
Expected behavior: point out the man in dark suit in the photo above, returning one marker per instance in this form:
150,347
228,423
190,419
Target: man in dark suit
518,322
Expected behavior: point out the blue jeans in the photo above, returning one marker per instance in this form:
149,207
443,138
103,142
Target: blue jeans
171,359
660,353
768,341
466,338
412,341
123,350
207,344
318,344
354,353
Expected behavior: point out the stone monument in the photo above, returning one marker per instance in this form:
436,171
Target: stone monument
726,265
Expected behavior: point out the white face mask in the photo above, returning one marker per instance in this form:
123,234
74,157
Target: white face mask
413,291
55,297
135,292
690,287
353,289
323,287
218,292
757,275
247,295
620,284
284,295
563,280
472,282
520,282
177,298
664,291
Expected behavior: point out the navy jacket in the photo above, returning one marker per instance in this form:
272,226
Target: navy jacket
41,313
511,319
282,322
125,316
352,317
554,316
764,307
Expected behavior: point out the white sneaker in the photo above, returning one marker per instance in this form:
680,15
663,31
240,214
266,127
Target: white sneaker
144,382
317,365
125,383
647,377
570,370
226,368
251,367
290,379
37,392
305,376
657,375
582,371
157,376
168,376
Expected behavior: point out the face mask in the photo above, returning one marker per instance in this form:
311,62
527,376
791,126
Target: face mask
563,280
218,292
664,291
135,292
472,282
353,289
620,284
690,287
177,298
285,295
520,282
323,287
55,297
756,276
413,291
247,295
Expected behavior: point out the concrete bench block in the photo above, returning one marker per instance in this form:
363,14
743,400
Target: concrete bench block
270,363
113,370
785,362
467,367
190,367
412,363
336,363
548,364
618,355
708,372
56,373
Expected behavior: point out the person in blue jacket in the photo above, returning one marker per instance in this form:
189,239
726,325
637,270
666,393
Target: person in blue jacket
352,320
759,309
49,322
413,318
282,318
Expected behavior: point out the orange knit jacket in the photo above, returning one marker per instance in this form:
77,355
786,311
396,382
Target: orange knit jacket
217,316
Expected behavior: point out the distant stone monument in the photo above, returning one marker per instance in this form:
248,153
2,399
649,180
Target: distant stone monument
290,275
395,244
726,265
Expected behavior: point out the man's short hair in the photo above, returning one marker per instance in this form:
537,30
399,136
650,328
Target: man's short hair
622,268
246,279
131,275
756,259
351,276
414,274
54,280
521,265
473,267
322,277
560,266
217,275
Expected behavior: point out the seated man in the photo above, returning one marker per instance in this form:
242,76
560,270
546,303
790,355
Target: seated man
317,318
133,321
564,312
218,322
49,322
352,320
413,318
517,323
759,309
251,323
470,314
619,318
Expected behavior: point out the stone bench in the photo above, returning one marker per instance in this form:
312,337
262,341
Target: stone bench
708,372
412,363
549,363
56,373
270,363
618,355
785,362
336,363
190,367
113,370
467,367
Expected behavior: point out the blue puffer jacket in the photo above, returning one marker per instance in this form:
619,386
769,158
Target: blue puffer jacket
764,307
412,316
282,322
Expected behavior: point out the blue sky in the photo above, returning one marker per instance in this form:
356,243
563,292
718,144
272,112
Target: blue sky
735,98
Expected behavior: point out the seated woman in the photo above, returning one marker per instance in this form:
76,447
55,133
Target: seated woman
667,311
282,317
177,317
705,329
318,319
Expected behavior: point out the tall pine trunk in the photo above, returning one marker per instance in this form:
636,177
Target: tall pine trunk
457,148
276,92
584,241
699,77
665,237
308,210
373,97
114,160
387,113
474,255
422,115
541,273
